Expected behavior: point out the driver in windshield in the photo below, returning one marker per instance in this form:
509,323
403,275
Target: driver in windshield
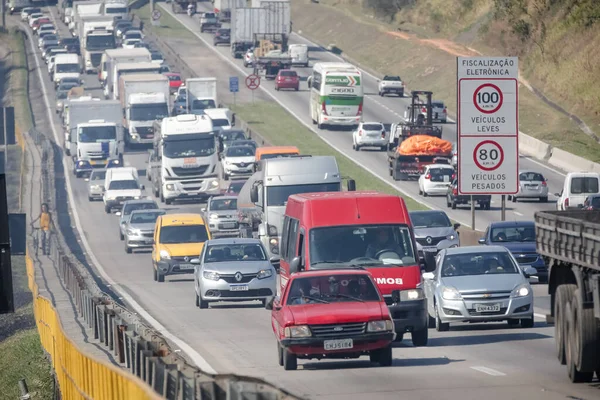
301,292
383,242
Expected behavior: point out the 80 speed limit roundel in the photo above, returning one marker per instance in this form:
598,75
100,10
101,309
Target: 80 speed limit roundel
488,155
488,98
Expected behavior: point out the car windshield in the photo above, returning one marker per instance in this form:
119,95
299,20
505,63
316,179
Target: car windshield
97,175
69,81
129,208
595,202
48,38
513,233
156,55
133,35
332,288
276,155
129,184
175,78
288,73
203,105
240,151
229,136
370,245
68,68
69,41
100,42
235,187
223,31
430,219
218,122
392,78
372,127
148,112
217,204
62,94
97,134
437,104
183,234
584,184
441,174
189,148
145,217
278,195
250,143
478,264
234,252
531,177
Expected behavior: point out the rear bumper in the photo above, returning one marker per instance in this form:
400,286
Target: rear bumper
467,199
399,91
362,343
409,316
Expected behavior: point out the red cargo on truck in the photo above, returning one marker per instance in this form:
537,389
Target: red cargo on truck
359,229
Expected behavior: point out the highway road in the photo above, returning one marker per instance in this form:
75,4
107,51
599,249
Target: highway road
387,110
469,362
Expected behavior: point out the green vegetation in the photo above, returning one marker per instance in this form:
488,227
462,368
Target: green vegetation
279,128
419,40
169,27
22,354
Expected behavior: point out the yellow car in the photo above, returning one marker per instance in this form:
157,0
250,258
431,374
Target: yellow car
177,239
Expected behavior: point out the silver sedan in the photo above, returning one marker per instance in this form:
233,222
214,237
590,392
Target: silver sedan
96,184
478,284
234,270
139,229
222,216
532,185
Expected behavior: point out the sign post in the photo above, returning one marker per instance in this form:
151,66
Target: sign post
488,127
234,86
253,83
156,17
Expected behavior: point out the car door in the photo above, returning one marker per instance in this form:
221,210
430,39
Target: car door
422,178
429,285
277,321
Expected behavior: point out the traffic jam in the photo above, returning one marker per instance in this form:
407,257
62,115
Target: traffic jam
345,273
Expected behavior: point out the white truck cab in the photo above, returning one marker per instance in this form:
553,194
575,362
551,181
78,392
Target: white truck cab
66,66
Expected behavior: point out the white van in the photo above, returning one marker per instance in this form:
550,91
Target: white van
66,66
299,54
577,187
222,118
121,184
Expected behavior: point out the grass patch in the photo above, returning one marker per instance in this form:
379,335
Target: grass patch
19,81
279,128
169,27
13,177
424,67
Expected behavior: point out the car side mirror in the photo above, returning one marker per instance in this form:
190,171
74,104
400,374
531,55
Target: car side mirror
118,213
396,296
481,241
254,195
422,263
203,209
351,185
295,265
579,205
428,276
557,194
275,262
529,272
276,304
142,187
456,226
269,305
195,261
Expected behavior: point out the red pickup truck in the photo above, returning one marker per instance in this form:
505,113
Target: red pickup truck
331,314
359,229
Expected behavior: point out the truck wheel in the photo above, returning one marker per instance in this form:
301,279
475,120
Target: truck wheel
563,294
399,337
290,361
280,354
394,174
514,199
574,346
425,193
420,338
107,209
453,205
488,206
585,338
168,201
482,206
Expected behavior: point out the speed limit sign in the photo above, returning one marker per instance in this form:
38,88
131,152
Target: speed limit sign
488,125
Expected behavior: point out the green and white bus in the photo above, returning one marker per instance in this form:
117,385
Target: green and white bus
336,94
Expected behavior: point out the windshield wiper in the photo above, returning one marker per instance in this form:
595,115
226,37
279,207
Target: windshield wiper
328,262
347,297
310,298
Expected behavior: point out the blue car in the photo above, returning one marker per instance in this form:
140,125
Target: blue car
519,238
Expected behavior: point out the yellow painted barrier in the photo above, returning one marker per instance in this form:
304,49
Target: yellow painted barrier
80,376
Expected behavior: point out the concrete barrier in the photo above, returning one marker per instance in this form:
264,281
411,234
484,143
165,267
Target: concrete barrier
532,147
571,163
469,237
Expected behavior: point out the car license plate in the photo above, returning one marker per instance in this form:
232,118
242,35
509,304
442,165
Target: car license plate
340,344
430,249
185,267
229,225
487,308
238,288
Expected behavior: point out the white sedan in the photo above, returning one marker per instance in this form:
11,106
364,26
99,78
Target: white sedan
436,179
130,43
369,134
238,160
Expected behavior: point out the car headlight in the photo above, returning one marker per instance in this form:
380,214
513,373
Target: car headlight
213,216
109,197
380,326
170,186
452,236
213,276
164,255
95,187
88,63
264,273
136,197
449,293
412,294
132,231
298,331
521,291
227,162
272,230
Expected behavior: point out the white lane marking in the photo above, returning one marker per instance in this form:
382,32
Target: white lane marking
517,213
541,164
319,134
488,371
540,316
193,354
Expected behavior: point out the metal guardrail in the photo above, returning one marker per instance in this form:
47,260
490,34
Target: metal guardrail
145,355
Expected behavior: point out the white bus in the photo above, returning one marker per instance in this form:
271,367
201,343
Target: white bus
336,94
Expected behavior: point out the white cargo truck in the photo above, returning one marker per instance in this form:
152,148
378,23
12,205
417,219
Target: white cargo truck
223,8
201,94
117,9
184,159
144,99
113,56
111,89
267,21
95,36
95,134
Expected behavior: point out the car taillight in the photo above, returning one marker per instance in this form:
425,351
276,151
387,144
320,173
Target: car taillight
567,202
383,135
360,132
544,183
455,191
445,110
324,108
428,176
360,106
424,109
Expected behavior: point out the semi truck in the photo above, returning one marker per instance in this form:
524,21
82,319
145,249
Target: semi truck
262,199
113,56
95,135
223,8
95,36
184,159
144,99
201,94
569,242
247,22
180,6
111,89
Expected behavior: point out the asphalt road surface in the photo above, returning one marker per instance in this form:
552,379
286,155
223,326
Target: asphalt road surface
469,362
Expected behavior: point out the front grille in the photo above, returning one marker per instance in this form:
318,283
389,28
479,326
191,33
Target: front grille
434,241
234,226
247,293
180,171
145,132
527,259
231,279
334,330
486,296
124,198
501,312
95,59
243,165
97,154
148,235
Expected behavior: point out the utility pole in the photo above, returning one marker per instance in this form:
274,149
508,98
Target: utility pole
151,6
